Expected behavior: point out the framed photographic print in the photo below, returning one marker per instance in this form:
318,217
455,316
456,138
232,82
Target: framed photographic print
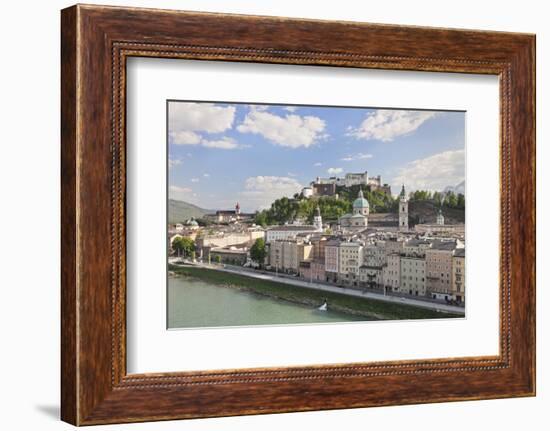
266,215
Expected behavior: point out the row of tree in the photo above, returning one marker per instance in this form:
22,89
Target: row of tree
184,246
447,199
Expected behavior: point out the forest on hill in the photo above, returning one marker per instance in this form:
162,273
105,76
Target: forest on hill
422,207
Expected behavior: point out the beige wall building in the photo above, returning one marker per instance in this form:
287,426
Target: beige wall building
350,257
371,276
416,247
229,239
439,268
457,229
413,275
286,255
391,273
458,289
374,255
393,246
288,232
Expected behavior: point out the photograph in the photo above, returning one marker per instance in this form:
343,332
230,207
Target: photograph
285,214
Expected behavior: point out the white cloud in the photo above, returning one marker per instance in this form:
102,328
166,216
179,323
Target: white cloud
191,138
432,173
184,137
292,131
180,193
290,108
261,108
206,175
224,143
335,171
386,125
318,164
174,162
194,180
189,121
178,189
200,117
358,156
261,191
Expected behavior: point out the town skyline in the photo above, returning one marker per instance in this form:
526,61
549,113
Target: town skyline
221,153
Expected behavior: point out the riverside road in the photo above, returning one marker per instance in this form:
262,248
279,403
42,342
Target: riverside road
330,288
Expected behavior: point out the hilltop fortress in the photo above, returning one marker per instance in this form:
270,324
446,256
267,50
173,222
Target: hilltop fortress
327,186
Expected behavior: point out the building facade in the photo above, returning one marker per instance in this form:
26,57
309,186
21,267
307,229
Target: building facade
391,273
439,267
286,255
285,232
413,275
459,275
350,256
332,260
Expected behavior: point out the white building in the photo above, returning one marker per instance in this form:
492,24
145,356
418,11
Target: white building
307,192
288,232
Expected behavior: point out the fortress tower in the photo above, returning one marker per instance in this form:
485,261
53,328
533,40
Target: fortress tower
403,210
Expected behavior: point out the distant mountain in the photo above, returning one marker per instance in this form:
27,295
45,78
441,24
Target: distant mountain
180,211
460,188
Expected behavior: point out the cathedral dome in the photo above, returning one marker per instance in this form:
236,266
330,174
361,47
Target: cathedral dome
191,222
360,202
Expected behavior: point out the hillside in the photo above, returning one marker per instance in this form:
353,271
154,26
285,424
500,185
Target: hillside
425,211
179,211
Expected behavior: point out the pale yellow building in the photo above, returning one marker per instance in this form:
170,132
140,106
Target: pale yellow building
350,256
286,255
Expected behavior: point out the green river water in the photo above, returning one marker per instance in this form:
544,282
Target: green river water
195,303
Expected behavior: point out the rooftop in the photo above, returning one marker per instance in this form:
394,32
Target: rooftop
460,252
444,245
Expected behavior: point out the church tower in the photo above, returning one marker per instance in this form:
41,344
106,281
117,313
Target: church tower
403,210
317,220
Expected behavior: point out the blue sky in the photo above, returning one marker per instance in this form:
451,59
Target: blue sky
221,153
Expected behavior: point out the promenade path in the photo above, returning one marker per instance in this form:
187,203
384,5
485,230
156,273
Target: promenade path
334,289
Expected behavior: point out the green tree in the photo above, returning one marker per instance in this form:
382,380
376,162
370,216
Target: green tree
258,252
183,246
261,218
461,202
218,259
451,200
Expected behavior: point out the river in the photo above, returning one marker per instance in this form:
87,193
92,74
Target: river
195,303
